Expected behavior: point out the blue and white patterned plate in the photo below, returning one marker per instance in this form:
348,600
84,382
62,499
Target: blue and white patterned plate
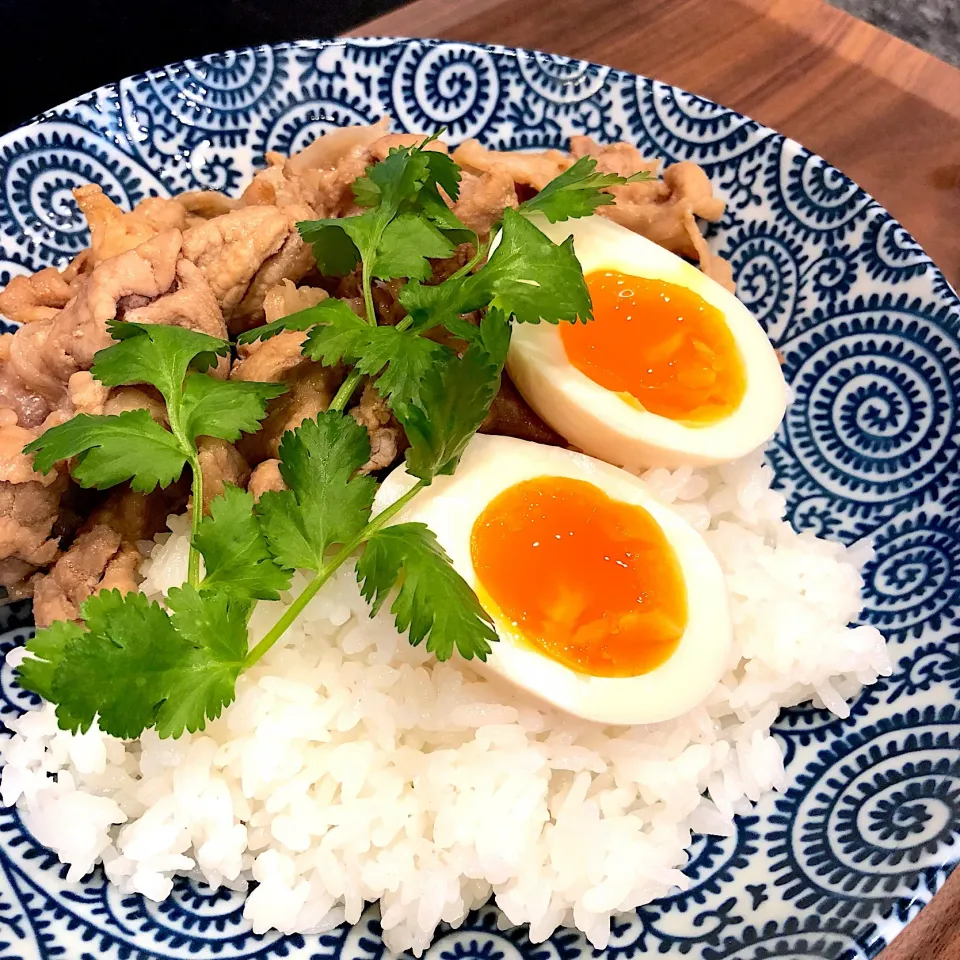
870,824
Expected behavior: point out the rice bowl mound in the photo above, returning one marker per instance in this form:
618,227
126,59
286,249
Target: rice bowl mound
353,767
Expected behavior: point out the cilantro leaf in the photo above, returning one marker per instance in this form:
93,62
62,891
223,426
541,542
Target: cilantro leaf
436,304
576,192
158,354
432,206
365,192
493,336
119,667
644,176
406,220
134,665
36,672
224,408
443,171
433,602
300,321
407,242
387,185
130,446
454,400
204,681
333,248
529,277
235,554
401,359
339,331
395,179
325,502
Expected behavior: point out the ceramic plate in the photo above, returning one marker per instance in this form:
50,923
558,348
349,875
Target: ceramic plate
869,824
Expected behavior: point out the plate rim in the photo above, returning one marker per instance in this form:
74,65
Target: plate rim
113,89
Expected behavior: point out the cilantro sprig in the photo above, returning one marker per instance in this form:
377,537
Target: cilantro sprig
132,446
526,278
578,191
132,663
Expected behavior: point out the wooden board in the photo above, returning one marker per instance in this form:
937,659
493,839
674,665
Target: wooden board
882,111
885,113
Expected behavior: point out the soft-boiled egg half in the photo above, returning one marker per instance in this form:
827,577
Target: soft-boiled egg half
608,604
672,370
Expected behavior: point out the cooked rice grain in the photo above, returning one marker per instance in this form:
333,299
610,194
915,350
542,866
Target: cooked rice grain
355,768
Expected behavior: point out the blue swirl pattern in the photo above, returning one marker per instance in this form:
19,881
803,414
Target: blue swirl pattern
870,821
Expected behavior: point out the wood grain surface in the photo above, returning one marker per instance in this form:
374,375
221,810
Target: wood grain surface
885,113
882,111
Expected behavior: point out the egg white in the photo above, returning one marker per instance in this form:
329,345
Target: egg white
490,465
603,423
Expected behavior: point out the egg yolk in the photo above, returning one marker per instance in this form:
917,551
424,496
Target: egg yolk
660,344
589,581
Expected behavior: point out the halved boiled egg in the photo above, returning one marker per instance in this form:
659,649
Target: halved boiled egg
672,370
608,604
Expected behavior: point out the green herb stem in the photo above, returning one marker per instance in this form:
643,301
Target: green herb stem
193,558
189,447
326,572
482,250
343,395
368,298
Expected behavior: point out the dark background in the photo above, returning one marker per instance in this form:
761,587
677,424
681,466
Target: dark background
55,50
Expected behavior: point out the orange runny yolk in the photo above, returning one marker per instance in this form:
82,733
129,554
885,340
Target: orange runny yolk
589,581
659,343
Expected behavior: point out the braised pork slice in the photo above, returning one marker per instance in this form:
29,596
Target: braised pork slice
190,304
274,186
28,512
80,330
511,416
387,439
534,170
112,231
58,594
484,197
104,556
323,173
139,516
229,250
29,505
623,159
220,464
205,205
292,262
270,361
664,210
37,361
88,395
266,478
380,148
38,297
286,298
311,388
98,560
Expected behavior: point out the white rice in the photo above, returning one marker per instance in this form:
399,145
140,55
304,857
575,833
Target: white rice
355,768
